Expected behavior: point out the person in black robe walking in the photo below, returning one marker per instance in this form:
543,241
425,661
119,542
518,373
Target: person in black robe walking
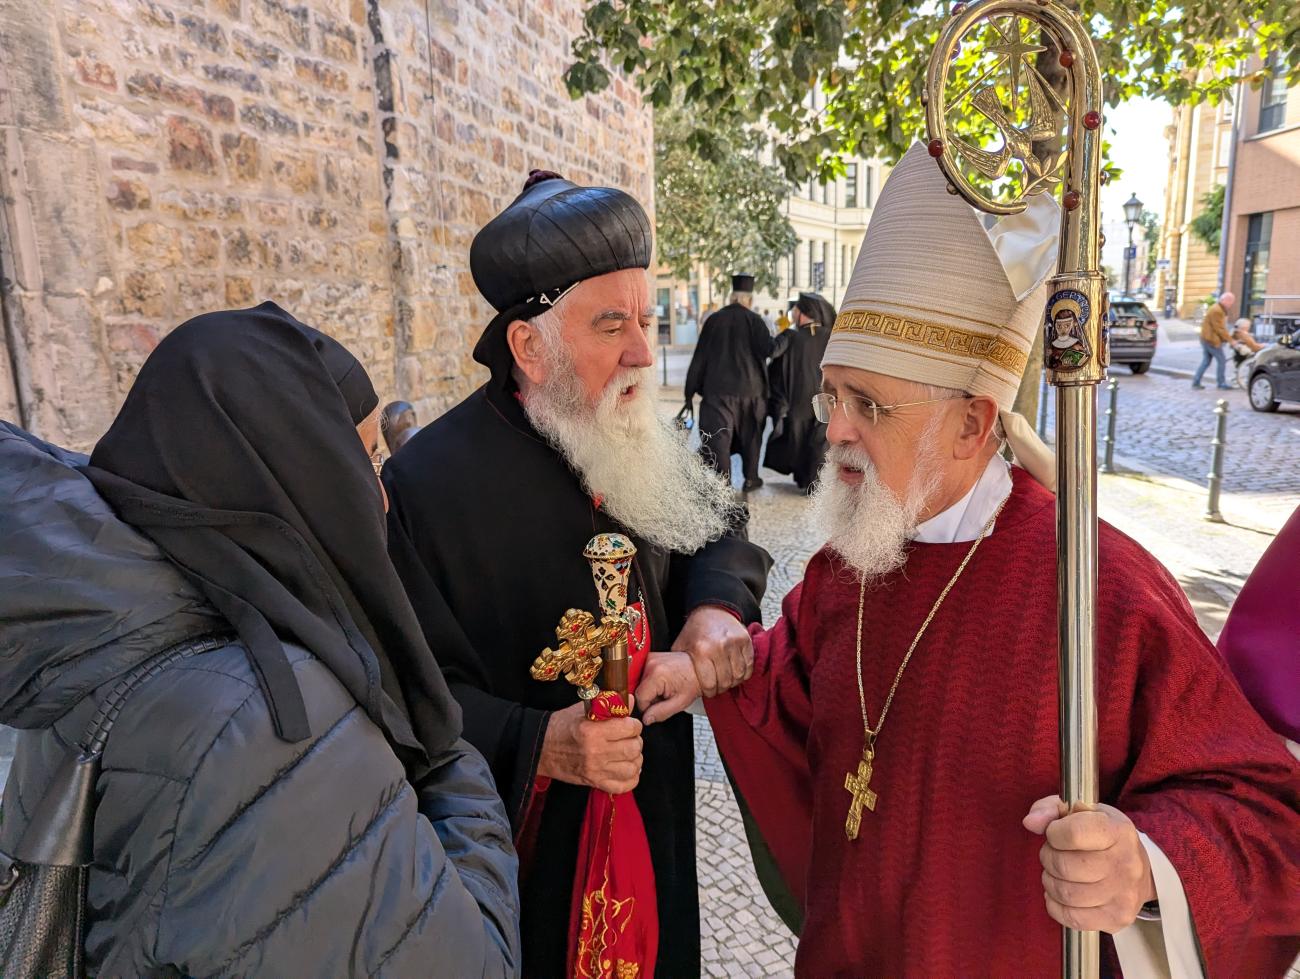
797,445
727,371
492,506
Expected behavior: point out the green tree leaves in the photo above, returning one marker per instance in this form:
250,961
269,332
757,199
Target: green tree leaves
716,201
753,64
1208,225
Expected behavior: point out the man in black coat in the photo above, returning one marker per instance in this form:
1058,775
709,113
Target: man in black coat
727,371
493,505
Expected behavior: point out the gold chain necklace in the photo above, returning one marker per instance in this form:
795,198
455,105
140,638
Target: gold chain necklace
858,784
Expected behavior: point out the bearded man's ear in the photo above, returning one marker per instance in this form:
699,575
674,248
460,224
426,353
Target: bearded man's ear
525,343
979,420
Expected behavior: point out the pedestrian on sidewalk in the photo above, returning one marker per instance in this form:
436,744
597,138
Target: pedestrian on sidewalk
1214,335
728,372
295,797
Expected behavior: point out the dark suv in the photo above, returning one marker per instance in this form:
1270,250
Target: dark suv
1132,334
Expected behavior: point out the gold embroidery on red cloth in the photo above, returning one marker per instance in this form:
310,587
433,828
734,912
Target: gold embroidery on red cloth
603,921
934,336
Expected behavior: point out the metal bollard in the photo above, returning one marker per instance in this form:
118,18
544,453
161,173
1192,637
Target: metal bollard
1042,406
1108,463
663,356
1216,467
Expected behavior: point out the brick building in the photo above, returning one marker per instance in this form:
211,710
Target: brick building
337,156
1263,228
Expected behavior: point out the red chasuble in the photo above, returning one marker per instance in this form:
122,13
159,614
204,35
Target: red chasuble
942,880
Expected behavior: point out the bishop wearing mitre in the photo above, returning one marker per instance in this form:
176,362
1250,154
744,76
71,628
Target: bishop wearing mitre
897,743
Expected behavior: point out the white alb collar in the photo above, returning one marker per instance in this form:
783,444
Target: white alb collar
965,520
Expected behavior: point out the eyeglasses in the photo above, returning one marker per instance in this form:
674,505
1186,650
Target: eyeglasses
861,409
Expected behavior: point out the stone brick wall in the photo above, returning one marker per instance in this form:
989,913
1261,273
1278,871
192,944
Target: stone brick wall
336,156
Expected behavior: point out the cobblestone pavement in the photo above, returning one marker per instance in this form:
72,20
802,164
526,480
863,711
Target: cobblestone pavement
1166,429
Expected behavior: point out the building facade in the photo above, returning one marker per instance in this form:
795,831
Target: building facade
1262,251
1200,147
158,160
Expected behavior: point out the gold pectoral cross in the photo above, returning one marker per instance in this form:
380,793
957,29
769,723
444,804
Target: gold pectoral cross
859,785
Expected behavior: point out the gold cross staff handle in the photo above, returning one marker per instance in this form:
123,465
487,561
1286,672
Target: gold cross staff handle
585,651
1074,339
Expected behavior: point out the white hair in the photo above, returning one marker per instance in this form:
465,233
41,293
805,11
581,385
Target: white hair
867,525
625,453
745,299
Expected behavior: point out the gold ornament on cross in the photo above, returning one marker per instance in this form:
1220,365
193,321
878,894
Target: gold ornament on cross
586,651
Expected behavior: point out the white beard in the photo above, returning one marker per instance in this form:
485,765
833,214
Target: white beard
630,457
868,525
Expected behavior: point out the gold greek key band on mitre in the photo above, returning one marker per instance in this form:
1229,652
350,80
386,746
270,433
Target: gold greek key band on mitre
932,336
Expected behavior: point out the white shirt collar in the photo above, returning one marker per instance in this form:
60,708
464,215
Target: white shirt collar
965,520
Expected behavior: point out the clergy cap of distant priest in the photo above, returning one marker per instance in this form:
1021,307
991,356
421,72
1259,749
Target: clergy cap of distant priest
937,298
741,282
552,236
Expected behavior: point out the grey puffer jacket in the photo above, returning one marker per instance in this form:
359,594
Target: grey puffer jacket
221,850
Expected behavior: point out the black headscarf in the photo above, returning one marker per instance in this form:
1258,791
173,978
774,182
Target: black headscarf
237,453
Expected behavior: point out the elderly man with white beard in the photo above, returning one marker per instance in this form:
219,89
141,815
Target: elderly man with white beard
897,744
494,503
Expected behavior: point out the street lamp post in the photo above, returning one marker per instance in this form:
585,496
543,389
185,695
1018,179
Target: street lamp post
1132,215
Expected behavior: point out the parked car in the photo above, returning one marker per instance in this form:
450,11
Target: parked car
1132,334
1275,374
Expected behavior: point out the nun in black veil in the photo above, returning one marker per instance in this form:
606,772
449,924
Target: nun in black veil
797,445
296,798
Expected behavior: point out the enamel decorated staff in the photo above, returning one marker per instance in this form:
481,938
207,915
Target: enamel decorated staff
897,743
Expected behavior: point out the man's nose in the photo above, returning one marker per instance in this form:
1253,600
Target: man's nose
840,431
638,352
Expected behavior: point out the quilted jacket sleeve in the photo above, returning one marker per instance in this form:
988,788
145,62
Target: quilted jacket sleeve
320,859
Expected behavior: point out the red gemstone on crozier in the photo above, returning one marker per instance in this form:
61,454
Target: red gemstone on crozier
1066,59
1071,200
936,147
1093,119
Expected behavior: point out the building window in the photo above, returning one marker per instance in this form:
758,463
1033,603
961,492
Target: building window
826,192
851,185
866,198
1272,98
812,259
1254,280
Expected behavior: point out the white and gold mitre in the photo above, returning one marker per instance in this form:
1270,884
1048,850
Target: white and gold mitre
935,297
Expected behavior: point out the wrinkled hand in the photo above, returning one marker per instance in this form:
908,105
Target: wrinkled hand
1096,874
720,648
778,427
668,686
605,755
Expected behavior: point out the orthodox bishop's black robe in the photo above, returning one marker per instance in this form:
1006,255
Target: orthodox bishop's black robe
795,375
727,371
485,509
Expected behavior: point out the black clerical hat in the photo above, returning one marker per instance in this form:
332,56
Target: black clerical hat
740,282
551,237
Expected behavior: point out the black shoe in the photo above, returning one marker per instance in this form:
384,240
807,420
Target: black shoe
1197,387
752,484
